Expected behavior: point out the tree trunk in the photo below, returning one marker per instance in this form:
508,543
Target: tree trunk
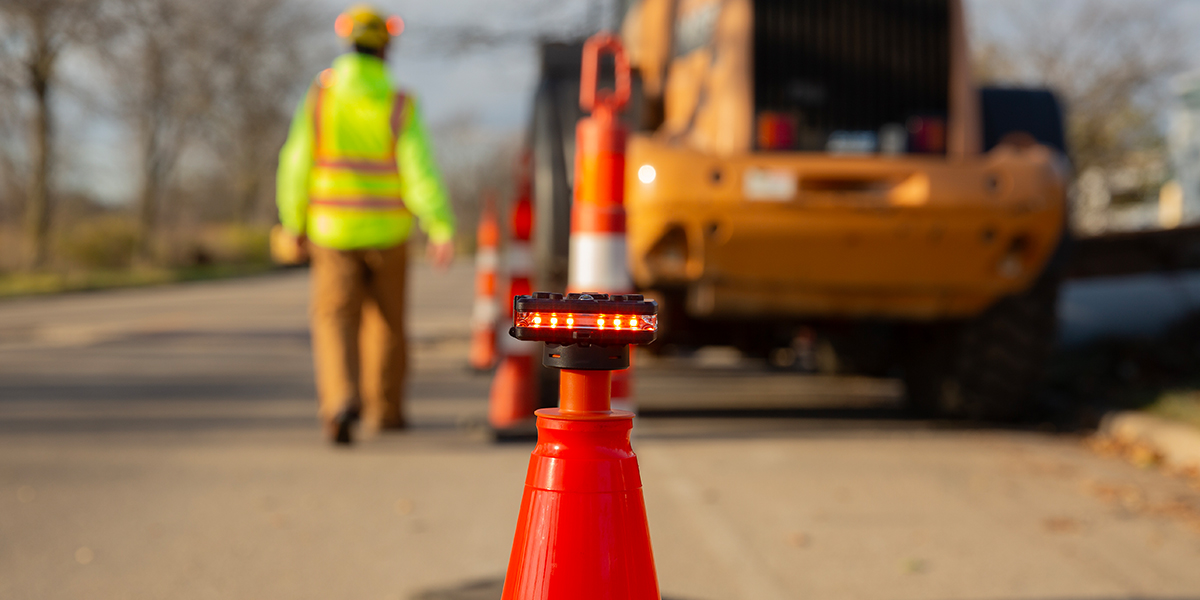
147,205
37,207
152,151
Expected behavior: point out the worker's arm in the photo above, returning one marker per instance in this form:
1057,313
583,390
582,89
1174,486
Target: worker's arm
295,164
424,193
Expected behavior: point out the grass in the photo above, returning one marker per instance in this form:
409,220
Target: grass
96,253
1182,406
54,282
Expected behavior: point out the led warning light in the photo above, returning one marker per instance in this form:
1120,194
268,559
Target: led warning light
586,321
395,26
595,319
343,25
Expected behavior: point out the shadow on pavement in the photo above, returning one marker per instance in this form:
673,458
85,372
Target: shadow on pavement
480,589
863,414
491,589
123,389
815,422
298,336
157,425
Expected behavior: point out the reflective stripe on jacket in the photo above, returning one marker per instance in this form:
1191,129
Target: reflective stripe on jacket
357,164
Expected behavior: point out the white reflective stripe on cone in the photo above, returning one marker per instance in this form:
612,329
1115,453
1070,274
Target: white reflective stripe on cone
486,259
485,313
599,263
520,259
511,346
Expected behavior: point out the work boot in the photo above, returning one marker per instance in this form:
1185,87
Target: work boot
340,428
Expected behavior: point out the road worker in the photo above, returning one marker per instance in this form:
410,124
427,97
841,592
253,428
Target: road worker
355,173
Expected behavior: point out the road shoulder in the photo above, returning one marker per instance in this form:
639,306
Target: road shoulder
1176,443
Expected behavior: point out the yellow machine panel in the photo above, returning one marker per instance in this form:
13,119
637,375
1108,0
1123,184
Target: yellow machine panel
785,234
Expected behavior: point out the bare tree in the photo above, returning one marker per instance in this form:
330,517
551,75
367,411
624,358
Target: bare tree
35,33
11,125
260,55
156,60
221,75
1109,60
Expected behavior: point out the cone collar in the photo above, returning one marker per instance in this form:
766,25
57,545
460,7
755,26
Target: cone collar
581,357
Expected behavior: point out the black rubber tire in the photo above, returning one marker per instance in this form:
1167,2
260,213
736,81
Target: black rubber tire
865,349
987,368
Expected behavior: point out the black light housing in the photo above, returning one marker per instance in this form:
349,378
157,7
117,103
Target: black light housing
587,319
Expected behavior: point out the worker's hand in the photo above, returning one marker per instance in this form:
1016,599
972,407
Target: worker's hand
441,254
302,247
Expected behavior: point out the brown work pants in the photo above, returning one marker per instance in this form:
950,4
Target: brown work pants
359,346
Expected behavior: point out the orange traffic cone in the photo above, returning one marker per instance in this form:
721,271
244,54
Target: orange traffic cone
484,318
582,532
598,260
511,401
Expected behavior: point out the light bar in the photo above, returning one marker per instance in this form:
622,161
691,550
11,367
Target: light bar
596,319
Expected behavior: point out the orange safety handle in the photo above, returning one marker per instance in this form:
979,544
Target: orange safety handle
591,98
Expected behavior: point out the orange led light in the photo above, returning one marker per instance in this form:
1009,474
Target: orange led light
343,25
587,321
395,26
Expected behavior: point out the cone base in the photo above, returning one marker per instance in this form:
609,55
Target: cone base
582,547
582,532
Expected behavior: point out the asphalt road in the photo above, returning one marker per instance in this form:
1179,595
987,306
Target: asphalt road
161,443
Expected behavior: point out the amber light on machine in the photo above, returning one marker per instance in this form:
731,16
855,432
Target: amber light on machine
582,321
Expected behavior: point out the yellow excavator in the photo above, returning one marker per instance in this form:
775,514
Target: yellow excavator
827,170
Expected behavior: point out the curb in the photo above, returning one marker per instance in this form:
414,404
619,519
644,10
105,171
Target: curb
1178,444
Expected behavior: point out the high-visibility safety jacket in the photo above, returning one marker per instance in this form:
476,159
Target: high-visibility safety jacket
357,165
